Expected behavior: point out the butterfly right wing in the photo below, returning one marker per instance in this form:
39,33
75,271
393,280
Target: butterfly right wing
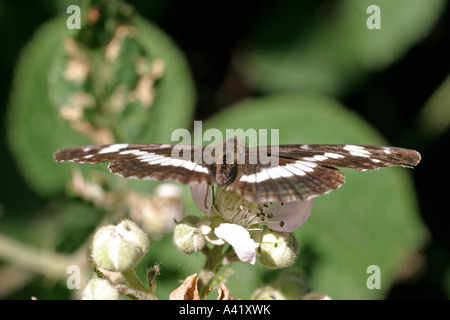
144,161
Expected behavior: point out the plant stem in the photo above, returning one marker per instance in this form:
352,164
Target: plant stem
214,258
133,281
137,294
34,259
136,287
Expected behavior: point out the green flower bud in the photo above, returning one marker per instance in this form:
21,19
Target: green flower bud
267,293
292,284
187,235
277,249
119,248
100,289
316,296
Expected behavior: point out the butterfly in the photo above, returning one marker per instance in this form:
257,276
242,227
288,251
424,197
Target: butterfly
301,172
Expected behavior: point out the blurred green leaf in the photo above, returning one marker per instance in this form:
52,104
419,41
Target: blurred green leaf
62,225
175,96
35,128
329,48
371,220
434,118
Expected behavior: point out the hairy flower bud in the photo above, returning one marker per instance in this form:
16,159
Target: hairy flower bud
100,289
289,285
277,249
119,248
187,236
316,296
267,293
292,284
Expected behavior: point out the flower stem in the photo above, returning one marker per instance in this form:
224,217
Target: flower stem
34,259
135,287
133,281
214,259
137,294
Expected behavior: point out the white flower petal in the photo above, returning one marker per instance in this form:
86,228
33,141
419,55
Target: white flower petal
239,238
201,194
288,216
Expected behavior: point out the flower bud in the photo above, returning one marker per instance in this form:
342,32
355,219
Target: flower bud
156,214
267,293
187,236
119,248
100,289
316,296
291,284
277,249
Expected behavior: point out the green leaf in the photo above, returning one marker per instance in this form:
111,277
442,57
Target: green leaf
329,48
35,127
371,220
434,117
175,97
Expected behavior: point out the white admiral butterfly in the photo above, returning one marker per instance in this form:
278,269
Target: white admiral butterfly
302,171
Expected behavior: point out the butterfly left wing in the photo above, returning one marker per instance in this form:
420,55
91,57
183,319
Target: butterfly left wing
289,181
359,157
142,161
306,171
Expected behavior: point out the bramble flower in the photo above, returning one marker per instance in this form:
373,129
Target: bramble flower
247,226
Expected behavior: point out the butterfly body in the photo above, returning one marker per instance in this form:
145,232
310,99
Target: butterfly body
226,157
300,171
224,173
